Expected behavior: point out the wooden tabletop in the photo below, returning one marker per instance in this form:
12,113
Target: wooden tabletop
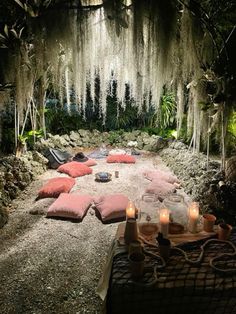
175,239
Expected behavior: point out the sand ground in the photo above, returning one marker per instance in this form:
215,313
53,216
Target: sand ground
51,265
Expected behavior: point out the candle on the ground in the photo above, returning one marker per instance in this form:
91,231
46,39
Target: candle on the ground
193,216
164,222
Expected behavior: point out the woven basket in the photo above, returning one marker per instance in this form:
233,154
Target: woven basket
230,169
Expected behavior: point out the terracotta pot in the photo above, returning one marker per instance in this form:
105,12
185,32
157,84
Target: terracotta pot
208,222
224,231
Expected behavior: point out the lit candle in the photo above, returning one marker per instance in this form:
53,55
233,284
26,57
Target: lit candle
130,210
164,222
193,216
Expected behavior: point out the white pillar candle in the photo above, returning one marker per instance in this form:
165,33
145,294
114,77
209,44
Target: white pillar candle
130,210
164,222
193,216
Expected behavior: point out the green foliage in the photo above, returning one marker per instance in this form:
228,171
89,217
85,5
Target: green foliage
151,130
11,36
33,8
165,133
183,134
22,139
162,123
32,136
119,117
230,144
126,118
168,108
58,121
231,135
147,118
93,117
232,124
115,136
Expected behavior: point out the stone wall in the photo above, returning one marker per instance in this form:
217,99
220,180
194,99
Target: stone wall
86,138
15,175
205,183
190,167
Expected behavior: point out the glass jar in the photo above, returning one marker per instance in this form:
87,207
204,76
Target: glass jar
177,207
148,215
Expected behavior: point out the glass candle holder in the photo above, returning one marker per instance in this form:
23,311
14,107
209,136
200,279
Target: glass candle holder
193,217
178,209
164,219
147,215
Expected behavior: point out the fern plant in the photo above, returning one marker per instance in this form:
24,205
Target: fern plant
167,110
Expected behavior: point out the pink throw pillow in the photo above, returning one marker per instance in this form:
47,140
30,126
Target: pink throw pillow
128,159
55,186
111,207
75,169
161,175
160,188
73,206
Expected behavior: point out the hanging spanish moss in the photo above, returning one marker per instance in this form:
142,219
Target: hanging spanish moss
147,46
192,50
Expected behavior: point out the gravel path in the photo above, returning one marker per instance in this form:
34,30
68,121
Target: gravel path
53,266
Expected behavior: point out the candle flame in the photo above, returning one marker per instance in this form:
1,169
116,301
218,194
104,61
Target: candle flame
194,210
130,210
164,215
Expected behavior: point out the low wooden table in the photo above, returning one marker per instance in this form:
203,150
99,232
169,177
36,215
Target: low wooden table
179,287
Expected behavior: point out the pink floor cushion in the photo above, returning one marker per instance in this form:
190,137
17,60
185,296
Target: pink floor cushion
160,175
75,169
160,188
111,207
128,159
73,206
55,186
90,162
